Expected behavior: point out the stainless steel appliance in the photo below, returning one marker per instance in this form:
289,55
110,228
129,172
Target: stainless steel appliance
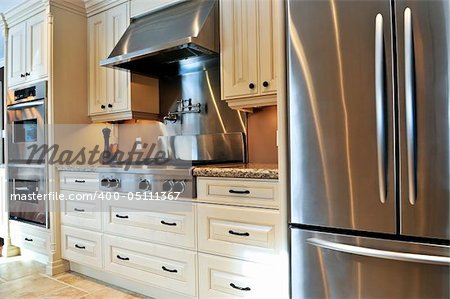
27,187
189,29
369,127
148,179
26,120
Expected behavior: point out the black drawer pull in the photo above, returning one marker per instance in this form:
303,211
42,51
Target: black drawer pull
168,223
79,246
123,258
79,210
238,233
169,270
239,288
239,191
28,240
80,181
122,217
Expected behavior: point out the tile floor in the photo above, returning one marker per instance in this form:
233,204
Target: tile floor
25,279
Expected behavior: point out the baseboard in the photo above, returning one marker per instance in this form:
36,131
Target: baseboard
57,267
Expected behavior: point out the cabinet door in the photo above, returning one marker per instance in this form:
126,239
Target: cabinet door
117,91
268,45
97,74
239,61
16,54
36,52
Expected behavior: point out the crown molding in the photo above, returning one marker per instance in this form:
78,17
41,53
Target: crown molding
24,10
97,6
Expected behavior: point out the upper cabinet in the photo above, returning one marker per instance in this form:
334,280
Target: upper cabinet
111,94
27,50
249,49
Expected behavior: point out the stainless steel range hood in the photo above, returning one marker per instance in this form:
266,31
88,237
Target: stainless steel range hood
154,41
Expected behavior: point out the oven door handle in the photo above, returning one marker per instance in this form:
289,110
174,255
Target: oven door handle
22,188
25,105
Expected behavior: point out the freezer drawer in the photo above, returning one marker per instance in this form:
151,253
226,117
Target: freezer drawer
335,266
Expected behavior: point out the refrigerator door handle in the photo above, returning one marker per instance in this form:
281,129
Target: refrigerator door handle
378,253
410,106
380,105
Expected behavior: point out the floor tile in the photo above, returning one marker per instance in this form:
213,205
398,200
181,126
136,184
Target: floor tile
84,283
111,293
14,268
30,287
67,292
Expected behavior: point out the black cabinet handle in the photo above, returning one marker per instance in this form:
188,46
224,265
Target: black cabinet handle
168,223
266,84
239,191
123,258
79,246
245,234
27,74
251,85
110,105
122,217
80,181
28,240
103,106
239,288
78,210
22,76
169,270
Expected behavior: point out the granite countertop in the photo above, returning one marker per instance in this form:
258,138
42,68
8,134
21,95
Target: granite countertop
250,171
81,168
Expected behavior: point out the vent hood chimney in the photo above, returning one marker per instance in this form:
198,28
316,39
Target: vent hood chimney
155,41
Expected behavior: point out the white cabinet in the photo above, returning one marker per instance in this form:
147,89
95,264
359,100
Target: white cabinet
114,94
81,246
249,47
224,278
162,266
97,74
247,233
27,50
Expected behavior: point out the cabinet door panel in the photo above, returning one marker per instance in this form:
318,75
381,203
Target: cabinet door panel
268,45
97,74
16,54
36,52
239,38
117,21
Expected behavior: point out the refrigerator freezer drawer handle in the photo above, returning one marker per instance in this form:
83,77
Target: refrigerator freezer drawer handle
409,106
380,93
378,253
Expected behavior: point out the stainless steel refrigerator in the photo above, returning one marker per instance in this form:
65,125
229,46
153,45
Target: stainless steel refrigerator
369,126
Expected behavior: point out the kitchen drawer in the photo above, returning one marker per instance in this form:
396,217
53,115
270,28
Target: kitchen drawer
83,213
166,222
221,278
245,192
26,236
79,181
81,246
248,233
162,266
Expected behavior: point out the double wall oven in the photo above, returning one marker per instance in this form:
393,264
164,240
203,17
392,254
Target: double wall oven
26,122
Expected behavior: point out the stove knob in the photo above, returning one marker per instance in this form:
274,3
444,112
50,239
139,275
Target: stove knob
104,183
114,183
167,186
179,186
145,185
